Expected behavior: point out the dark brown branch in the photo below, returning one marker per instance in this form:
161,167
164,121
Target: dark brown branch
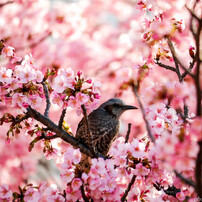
143,113
128,133
190,68
165,66
18,120
48,103
177,61
85,198
50,137
61,133
62,118
184,179
197,72
197,34
44,137
198,171
171,190
123,198
92,148
192,13
8,2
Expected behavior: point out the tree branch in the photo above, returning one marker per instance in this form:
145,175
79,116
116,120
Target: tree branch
165,66
123,198
192,13
198,171
185,180
171,190
61,133
85,198
62,118
177,61
143,113
128,133
50,137
8,2
18,120
197,35
190,68
48,103
45,138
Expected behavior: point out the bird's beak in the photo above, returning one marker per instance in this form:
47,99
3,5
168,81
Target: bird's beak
127,107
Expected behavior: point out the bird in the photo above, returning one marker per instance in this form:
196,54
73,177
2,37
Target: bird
103,124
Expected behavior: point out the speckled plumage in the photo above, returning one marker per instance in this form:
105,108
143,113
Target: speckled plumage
104,125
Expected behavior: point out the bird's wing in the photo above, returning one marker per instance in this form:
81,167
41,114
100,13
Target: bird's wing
80,124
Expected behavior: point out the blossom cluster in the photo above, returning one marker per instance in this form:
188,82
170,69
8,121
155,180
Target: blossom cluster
20,87
31,193
74,91
175,143
108,179
102,39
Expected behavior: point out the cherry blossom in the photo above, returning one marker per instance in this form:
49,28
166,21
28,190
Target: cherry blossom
5,75
8,51
32,195
83,53
5,192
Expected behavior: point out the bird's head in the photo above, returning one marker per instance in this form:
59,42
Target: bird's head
116,107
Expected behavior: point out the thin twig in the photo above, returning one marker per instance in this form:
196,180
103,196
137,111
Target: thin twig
184,179
128,133
143,114
166,66
123,198
48,103
62,118
172,190
61,133
85,198
92,148
8,2
190,68
177,61
192,13
44,137
18,120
